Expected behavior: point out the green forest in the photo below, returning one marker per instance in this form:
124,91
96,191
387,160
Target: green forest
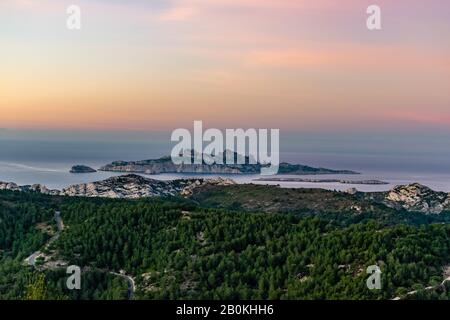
180,249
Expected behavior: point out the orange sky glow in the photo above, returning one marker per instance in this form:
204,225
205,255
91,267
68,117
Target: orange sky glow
159,65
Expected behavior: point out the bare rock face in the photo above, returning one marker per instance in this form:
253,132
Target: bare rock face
9,186
130,186
33,188
416,197
39,188
135,186
351,191
189,190
42,189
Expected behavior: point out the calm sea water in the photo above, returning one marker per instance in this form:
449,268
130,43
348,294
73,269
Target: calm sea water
28,157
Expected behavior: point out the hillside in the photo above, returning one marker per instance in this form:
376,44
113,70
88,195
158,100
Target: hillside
415,197
175,249
272,199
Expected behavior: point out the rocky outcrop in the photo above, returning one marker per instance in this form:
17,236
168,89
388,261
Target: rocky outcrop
28,188
189,190
42,189
416,197
82,169
130,186
9,186
134,186
351,191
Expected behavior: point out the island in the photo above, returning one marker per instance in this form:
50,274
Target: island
82,169
368,182
165,165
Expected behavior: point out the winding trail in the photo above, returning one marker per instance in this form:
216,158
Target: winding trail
129,279
31,260
426,289
131,283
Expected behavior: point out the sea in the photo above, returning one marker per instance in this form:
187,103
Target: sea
46,156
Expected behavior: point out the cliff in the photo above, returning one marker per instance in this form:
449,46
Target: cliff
128,186
134,186
28,188
416,197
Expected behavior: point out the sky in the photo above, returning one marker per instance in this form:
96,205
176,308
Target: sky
161,64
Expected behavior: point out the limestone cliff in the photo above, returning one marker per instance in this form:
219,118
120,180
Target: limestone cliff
416,197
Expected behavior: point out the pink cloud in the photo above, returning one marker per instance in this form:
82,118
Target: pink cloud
273,4
35,6
419,117
396,56
187,9
178,13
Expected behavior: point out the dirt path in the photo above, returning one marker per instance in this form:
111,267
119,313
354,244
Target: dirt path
31,260
426,289
131,283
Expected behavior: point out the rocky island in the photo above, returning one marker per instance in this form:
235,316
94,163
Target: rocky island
165,165
82,169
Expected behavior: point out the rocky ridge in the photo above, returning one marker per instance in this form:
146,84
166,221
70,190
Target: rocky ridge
30,188
134,186
413,197
416,197
128,186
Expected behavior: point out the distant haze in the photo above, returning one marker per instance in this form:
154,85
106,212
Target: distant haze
386,151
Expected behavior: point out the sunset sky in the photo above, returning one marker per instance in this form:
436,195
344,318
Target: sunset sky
160,64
